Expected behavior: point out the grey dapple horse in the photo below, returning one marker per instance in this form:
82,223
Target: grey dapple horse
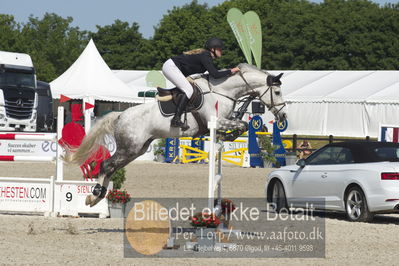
135,128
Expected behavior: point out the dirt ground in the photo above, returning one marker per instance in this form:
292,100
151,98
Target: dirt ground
33,239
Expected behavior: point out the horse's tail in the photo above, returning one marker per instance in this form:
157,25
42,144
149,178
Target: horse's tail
93,140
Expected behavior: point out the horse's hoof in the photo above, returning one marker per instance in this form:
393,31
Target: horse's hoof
92,200
88,200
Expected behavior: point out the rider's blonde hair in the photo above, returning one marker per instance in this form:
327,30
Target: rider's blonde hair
195,51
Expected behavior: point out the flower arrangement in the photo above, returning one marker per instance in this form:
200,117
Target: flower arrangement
118,196
227,206
201,219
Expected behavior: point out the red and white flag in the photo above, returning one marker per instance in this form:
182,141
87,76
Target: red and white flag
88,106
64,98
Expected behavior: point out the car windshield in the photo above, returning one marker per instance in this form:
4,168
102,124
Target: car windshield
387,153
17,79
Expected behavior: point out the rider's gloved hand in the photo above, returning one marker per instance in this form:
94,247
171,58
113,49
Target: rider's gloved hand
234,70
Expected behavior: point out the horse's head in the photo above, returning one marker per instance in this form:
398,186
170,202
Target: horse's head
266,87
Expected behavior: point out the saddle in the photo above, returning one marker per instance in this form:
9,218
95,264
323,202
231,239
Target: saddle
168,99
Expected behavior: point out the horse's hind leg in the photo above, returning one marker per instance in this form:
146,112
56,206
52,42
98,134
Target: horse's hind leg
108,168
120,159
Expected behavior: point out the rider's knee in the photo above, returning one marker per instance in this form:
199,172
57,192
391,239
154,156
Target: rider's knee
188,90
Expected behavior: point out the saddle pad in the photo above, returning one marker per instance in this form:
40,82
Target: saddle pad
168,108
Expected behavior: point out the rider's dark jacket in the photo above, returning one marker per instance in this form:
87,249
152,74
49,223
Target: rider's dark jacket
198,63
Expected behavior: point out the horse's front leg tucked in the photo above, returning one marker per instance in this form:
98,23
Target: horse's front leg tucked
229,130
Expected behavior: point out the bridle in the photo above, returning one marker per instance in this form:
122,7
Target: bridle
272,106
251,91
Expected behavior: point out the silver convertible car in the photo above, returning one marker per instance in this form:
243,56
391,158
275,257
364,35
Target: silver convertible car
359,178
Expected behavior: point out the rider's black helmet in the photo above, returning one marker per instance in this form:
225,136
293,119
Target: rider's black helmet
214,43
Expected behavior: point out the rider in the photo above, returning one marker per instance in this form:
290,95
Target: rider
177,68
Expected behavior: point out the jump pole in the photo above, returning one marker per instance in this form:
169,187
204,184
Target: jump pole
16,136
38,137
59,163
215,174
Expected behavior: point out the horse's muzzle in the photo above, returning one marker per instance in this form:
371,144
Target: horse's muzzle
281,116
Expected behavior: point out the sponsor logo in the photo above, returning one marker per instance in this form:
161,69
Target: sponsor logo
282,126
256,123
19,102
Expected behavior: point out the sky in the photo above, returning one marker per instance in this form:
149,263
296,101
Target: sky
87,14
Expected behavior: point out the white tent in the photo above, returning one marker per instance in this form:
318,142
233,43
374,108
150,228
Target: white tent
89,78
340,103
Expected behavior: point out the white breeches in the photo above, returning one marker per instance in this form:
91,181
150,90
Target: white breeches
174,75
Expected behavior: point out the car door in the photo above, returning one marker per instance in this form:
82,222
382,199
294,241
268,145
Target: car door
320,181
334,177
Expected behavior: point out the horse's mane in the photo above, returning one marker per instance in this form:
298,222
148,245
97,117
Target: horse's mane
244,67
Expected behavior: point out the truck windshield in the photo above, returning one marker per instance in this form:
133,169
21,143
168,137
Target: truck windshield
17,79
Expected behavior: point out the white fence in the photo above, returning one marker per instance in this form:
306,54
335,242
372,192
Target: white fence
48,195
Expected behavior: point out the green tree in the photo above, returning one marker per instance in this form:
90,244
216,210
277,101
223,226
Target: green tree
9,30
297,34
122,46
182,29
335,34
52,43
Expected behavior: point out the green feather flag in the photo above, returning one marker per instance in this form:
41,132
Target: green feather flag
255,35
155,79
237,22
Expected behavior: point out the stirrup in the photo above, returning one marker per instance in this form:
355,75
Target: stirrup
176,123
185,127
180,124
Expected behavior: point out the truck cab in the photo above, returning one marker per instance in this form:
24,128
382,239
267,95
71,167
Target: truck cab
18,96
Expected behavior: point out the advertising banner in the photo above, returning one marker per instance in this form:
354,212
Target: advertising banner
255,125
236,20
171,149
28,147
22,195
279,152
255,35
155,79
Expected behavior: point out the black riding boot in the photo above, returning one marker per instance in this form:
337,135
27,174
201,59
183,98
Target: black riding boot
181,106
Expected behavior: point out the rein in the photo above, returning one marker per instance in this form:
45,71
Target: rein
248,87
218,93
252,91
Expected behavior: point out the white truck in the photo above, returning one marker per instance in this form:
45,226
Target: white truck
19,97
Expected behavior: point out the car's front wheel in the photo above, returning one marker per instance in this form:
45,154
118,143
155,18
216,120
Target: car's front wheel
278,198
356,206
